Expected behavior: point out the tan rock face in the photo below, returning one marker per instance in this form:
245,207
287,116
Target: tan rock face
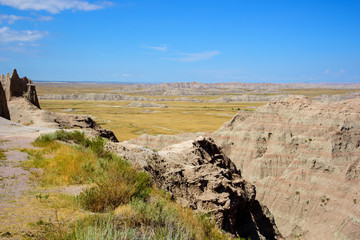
304,157
199,175
4,111
15,86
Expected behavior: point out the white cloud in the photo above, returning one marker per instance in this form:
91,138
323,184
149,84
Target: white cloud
8,35
194,57
45,18
11,19
126,75
2,59
54,6
334,74
159,48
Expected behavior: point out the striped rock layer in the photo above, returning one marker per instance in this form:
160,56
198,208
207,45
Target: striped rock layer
303,157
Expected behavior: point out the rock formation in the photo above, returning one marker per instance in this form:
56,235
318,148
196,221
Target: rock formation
4,111
26,113
19,98
197,174
15,86
303,156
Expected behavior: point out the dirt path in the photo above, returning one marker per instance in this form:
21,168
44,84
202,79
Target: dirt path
26,207
15,186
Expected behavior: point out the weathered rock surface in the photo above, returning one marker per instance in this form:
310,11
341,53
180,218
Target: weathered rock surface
198,175
304,158
4,110
19,100
249,98
160,141
15,86
25,113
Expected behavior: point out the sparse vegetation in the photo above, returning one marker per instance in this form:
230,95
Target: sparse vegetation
297,192
325,200
2,154
128,206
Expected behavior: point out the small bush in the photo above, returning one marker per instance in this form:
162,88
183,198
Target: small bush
115,184
61,135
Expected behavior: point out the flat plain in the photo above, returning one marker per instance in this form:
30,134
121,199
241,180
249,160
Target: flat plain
179,116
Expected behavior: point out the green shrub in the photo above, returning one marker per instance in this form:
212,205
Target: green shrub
2,154
116,182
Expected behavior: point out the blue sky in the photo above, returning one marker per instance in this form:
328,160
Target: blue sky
174,41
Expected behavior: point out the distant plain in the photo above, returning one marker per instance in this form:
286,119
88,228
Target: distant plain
178,117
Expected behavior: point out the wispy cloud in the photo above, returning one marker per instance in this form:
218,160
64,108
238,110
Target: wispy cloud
126,75
3,59
334,73
45,18
8,35
54,6
11,19
159,48
194,57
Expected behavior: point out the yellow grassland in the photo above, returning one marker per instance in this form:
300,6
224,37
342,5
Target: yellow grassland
131,122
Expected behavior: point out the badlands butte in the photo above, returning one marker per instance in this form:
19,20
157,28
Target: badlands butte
268,161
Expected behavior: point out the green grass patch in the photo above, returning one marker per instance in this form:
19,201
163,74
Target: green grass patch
2,155
126,206
83,160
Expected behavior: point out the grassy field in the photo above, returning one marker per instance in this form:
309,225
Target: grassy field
130,122
119,203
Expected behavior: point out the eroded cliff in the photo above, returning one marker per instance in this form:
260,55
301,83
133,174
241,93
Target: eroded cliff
303,156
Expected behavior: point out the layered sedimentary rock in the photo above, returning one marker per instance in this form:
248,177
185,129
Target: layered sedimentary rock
304,157
15,86
4,111
199,175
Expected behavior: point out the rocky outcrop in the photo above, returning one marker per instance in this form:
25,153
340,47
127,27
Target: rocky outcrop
248,98
26,113
4,111
161,141
304,158
15,86
71,121
199,175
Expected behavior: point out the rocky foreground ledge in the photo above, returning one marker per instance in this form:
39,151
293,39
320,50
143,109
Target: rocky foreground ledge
199,175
